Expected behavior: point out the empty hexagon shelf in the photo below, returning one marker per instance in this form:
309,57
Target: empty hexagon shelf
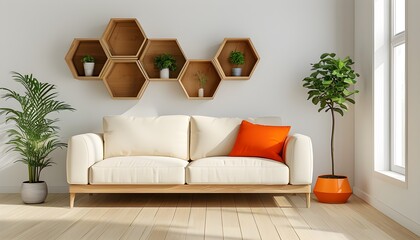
155,47
123,38
190,83
243,45
86,46
124,79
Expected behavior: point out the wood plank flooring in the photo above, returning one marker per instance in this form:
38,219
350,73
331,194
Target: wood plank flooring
194,216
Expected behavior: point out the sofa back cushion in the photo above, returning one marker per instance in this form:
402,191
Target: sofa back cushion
146,136
212,136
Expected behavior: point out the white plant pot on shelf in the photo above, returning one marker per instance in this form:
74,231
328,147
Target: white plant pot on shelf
88,66
236,71
201,92
164,73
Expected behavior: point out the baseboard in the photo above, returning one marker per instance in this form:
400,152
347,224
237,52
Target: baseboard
51,189
388,211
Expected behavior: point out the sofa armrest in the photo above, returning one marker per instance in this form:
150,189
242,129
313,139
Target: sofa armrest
83,151
299,158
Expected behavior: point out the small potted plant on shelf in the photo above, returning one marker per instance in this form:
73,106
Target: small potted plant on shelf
236,58
202,78
164,63
329,87
35,135
88,64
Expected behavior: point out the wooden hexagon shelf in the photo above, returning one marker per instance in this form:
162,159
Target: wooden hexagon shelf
125,79
123,38
190,83
86,46
155,47
236,44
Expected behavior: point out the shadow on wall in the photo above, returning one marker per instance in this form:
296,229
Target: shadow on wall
6,157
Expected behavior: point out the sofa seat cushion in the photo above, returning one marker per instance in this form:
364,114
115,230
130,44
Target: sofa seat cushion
138,170
237,170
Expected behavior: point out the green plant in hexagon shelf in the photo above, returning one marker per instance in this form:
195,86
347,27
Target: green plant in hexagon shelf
165,62
237,58
88,64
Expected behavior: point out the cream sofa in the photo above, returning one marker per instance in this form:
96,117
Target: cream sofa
182,154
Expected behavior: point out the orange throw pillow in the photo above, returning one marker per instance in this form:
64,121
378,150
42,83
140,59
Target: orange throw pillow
255,140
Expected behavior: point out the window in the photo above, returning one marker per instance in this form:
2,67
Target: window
390,86
398,85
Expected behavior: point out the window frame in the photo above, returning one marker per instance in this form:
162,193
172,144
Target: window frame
395,41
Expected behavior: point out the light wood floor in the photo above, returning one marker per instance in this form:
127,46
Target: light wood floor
193,216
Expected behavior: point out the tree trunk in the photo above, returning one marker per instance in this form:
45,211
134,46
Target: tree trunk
332,140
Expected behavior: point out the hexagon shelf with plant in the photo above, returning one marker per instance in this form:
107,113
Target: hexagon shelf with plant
190,79
242,45
157,47
80,48
125,79
123,38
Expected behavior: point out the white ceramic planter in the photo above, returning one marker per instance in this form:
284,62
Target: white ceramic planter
88,66
33,192
201,92
236,71
164,73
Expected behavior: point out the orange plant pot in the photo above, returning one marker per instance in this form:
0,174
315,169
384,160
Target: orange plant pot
332,189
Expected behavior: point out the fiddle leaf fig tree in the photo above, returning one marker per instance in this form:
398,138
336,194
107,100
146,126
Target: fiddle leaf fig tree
329,87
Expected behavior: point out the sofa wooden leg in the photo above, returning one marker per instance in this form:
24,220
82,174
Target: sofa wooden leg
72,197
308,200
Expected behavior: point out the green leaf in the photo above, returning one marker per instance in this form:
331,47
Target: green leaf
339,111
348,80
314,74
324,55
341,64
343,106
315,100
327,82
350,100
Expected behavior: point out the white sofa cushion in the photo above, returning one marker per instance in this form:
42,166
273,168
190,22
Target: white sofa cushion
138,170
237,170
152,136
212,136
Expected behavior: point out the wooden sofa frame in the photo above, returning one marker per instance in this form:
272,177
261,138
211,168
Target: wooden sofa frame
194,188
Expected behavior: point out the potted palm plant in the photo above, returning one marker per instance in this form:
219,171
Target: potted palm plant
202,79
88,64
237,58
164,63
35,135
329,87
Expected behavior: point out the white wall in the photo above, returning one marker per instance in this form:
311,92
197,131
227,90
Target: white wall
398,202
289,35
